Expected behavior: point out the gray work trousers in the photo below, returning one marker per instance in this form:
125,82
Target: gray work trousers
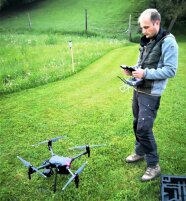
144,111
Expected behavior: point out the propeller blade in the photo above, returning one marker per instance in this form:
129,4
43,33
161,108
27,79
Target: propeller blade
78,147
84,147
46,141
57,138
34,168
75,175
81,168
27,164
69,181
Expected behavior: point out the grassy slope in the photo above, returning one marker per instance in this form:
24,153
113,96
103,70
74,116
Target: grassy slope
89,108
29,60
68,16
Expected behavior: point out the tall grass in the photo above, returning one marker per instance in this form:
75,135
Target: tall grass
31,60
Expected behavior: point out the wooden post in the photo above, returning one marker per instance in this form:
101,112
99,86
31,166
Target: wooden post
130,36
72,55
86,21
29,22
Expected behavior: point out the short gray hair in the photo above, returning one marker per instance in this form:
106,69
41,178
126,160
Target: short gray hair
150,13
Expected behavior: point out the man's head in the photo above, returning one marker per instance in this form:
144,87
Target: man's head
149,21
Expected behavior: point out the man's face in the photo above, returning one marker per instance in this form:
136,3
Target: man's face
149,28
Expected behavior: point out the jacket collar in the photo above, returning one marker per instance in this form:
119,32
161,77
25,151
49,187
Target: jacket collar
162,33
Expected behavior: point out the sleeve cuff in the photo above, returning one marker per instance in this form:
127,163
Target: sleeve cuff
145,73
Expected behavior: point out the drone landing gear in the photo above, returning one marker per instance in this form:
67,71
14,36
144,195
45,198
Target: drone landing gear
30,171
76,180
55,180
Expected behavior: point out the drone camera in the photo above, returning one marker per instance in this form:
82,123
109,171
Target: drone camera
48,172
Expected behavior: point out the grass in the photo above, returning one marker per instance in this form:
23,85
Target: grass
108,18
29,60
88,107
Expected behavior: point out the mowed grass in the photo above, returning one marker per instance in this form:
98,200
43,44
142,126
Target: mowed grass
89,108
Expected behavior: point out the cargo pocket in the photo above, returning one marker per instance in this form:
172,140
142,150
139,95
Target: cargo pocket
147,113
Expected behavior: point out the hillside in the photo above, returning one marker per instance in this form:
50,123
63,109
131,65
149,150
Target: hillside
34,39
105,17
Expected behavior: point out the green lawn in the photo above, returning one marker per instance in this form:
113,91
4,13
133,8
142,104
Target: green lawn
88,107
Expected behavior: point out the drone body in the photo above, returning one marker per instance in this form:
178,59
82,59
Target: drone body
58,164
59,160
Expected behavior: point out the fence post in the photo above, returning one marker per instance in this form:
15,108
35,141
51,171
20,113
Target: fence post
130,35
29,22
72,54
86,21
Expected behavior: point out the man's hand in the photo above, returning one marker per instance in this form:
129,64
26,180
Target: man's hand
127,72
139,73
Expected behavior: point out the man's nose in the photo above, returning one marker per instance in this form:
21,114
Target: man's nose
143,31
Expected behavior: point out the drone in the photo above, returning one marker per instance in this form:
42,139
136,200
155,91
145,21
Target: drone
58,164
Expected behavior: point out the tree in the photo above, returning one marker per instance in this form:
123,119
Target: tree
172,10
2,3
8,3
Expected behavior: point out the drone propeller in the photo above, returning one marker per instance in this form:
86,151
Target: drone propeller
47,141
75,176
31,168
85,146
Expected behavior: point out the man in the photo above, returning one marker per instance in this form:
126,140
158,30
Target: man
158,61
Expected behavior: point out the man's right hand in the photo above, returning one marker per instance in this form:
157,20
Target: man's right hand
127,72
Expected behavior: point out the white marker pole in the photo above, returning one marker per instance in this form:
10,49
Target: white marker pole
72,54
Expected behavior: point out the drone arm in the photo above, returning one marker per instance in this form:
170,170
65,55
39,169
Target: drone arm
31,168
70,171
79,155
50,149
43,166
75,176
70,180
